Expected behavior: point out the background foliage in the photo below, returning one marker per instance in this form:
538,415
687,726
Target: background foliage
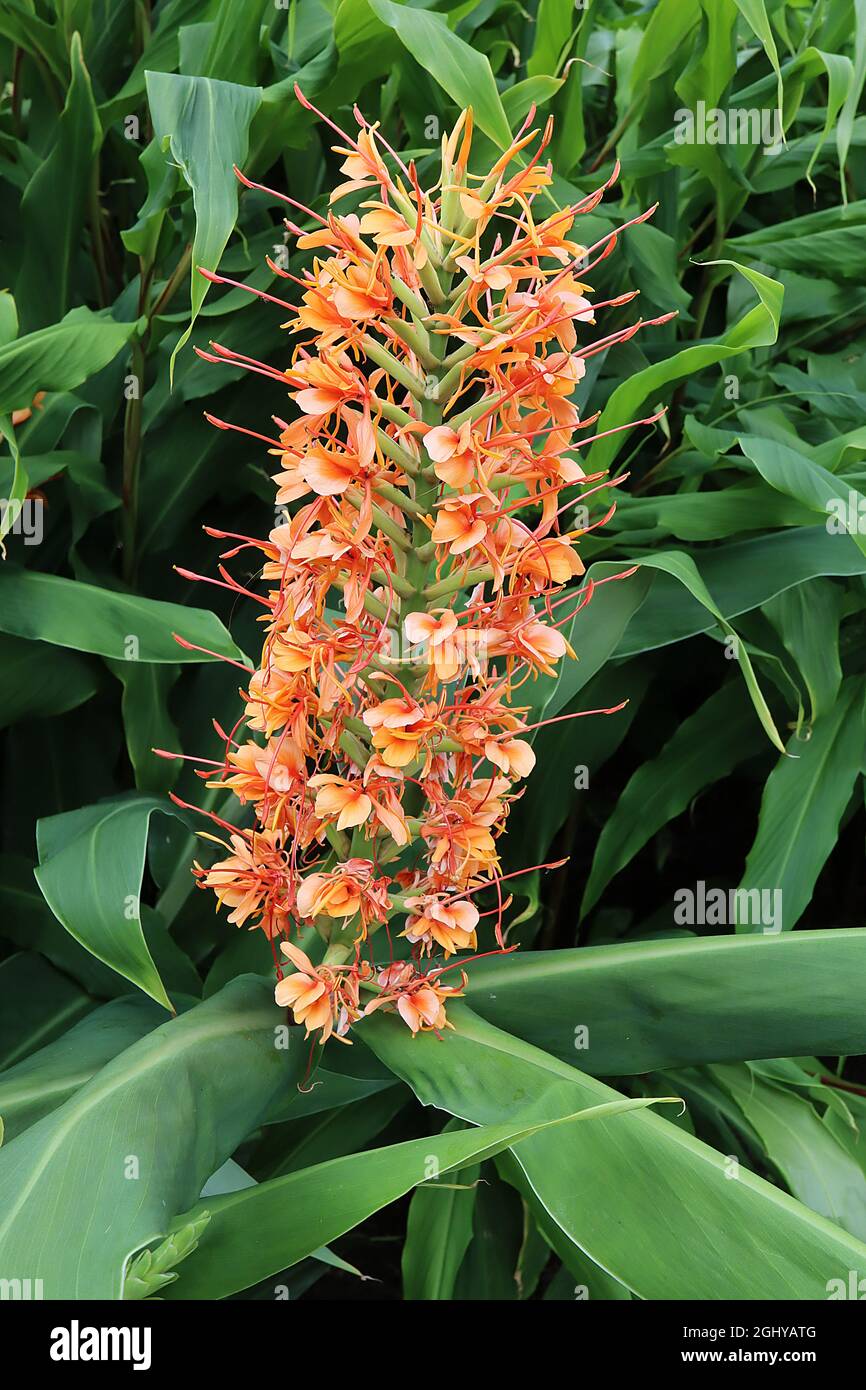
744,626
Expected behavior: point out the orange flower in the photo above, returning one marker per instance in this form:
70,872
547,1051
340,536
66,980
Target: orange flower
349,890
341,798
440,335
400,729
450,925
420,999
320,997
252,881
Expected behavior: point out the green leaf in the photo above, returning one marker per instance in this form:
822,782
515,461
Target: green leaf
793,473
438,1232
39,681
554,28
91,865
36,1004
815,1166
58,358
55,204
45,1079
147,722
803,802
675,1002
682,567
642,1197
669,24
462,71
740,576
758,328
122,626
694,758
807,620
204,125
267,1228
8,319
755,14
833,238
105,1174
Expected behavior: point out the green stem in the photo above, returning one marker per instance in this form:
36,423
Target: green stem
132,434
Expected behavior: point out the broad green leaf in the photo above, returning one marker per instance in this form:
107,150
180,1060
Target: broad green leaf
204,125
814,1165
55,204
803,802
800,477
106,1173
619,1010
45,1079
59,357
642,1197
257,1232
122,626
462,71
703,750
758,328
91,864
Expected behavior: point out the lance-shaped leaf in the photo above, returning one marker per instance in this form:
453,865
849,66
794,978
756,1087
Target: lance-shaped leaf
642,1197
460,69
91,864
47,1078
758,328
204,126
617,1010
124,627
105,1174
803,803
264,1229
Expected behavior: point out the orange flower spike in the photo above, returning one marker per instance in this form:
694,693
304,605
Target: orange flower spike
424,471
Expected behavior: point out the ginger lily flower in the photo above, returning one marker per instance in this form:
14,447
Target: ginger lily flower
431,457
